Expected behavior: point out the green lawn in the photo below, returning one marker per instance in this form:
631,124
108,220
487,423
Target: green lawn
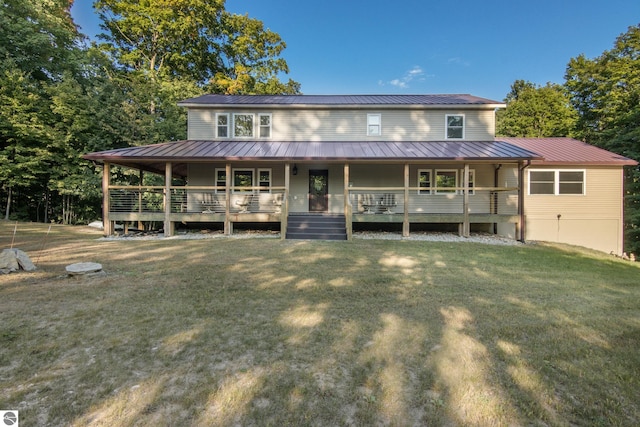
269,332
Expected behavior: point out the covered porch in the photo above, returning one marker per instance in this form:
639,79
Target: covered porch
482,187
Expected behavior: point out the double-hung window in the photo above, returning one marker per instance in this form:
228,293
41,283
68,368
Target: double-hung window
264,180
557,182
424,181
455,126
374,124
222,125
264,124
221,180
472,183
243,125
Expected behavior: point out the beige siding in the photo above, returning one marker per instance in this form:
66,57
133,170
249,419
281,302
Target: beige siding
351,125
593,220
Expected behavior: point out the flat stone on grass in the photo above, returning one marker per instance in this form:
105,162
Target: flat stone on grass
84,269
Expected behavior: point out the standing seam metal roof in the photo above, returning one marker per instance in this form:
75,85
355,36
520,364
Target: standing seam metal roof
568,151
199,150
335,100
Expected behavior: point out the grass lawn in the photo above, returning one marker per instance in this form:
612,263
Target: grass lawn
225,332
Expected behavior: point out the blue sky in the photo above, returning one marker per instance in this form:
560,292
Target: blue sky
429,46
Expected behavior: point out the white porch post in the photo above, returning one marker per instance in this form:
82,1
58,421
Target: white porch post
405,221
168,174
348,211
284,211
466,226
107,227
228,230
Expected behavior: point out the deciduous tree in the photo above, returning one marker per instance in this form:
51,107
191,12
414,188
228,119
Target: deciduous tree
606,93
536,111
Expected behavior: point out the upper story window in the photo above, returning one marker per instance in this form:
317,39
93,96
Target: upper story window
264,121
455,126
374,124
243,125
557,182
222,125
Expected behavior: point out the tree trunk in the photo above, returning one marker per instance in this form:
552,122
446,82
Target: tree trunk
6,215
47,196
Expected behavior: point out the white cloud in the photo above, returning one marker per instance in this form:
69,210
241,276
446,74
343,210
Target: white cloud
414,74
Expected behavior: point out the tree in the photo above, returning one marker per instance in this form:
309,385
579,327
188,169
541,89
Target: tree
39,46
606,93
194,39
536,111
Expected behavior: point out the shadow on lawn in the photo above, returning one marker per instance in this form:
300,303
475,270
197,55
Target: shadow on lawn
265,332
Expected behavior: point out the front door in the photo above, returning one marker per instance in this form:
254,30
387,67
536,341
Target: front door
318,190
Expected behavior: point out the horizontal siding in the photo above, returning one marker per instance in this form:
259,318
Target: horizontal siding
594,220
351,125
603,197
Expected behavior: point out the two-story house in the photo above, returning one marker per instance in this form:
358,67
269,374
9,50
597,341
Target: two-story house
319,165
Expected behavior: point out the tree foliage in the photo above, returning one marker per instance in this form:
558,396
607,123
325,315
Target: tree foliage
61,98
198,40
605,91
536,111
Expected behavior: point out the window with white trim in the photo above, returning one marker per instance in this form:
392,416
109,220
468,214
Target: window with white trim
557,182
243,125
374,124
446,181
242,180
264,124
472,182
424,181
222,125
221,180
264,180
455,126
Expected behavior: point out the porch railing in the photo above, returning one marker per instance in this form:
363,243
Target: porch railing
485,200
207,200
364,201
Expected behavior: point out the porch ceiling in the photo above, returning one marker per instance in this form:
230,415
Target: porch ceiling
153,157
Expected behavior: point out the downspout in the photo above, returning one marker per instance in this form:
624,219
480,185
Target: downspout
496,180
521,200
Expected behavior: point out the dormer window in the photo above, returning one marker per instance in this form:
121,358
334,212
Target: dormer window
374,125
455,126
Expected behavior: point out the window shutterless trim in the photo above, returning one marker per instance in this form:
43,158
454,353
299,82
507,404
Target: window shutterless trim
556,182
269,126
445,190
242,189
371,124
218,126
253,125
428,190
447,127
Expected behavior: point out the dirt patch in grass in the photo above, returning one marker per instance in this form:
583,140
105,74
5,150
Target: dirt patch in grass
270,332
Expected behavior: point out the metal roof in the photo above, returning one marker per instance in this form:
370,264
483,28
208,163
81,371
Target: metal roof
341,100
568,151
152,157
